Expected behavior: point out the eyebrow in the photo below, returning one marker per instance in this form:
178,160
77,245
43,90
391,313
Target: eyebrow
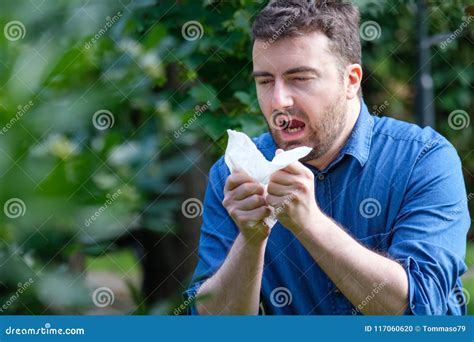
296,70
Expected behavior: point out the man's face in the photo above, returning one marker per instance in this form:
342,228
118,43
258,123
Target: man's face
301,92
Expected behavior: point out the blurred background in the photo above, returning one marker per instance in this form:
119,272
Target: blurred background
112,112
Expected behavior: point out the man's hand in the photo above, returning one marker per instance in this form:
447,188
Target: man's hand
235,288
245,202
291,193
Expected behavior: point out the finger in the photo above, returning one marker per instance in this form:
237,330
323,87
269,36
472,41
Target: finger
296,168
276,189
278,151
246,190
250,203
255,215
282,177
275,201
236,179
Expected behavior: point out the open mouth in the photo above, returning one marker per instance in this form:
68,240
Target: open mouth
294,130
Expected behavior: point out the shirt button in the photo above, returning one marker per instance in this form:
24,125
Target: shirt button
321,176
337,292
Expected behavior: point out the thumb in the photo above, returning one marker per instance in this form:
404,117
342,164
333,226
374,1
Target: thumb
278,151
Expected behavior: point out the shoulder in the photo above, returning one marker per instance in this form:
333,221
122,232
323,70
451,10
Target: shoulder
397,130
408,139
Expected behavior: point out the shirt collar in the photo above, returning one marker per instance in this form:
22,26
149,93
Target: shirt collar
358,144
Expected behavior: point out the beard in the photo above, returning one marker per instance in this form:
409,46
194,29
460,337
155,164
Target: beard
321,134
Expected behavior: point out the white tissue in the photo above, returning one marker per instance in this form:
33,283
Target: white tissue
241,153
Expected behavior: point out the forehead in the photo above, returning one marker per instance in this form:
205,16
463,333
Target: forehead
311,49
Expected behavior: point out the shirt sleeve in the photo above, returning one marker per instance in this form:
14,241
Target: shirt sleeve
429,235
218,233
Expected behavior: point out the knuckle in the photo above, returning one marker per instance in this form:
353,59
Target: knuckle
300,187
232,212
256,199
254,189
229,181
226,201
270,188
251,200
259,190
245,188
295,196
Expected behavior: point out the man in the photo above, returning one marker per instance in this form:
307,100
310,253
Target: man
373,221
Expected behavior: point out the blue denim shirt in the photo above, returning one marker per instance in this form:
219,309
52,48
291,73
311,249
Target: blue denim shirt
396,188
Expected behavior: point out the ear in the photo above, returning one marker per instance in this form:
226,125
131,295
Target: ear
353,78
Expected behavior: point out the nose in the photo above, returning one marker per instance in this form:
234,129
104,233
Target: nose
281,98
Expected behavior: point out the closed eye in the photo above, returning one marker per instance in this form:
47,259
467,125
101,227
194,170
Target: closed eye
267,81
301,78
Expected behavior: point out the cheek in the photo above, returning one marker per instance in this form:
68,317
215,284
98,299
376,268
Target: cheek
316,98
264,100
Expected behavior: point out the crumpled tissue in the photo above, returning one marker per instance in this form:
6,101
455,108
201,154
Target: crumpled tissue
241,153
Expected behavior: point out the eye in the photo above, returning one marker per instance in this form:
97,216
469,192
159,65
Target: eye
301,79
267,81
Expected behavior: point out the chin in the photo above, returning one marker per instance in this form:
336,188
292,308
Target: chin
293,144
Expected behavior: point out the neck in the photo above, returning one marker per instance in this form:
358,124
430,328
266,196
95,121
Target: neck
353,110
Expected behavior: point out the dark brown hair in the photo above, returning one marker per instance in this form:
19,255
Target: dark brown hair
337,19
